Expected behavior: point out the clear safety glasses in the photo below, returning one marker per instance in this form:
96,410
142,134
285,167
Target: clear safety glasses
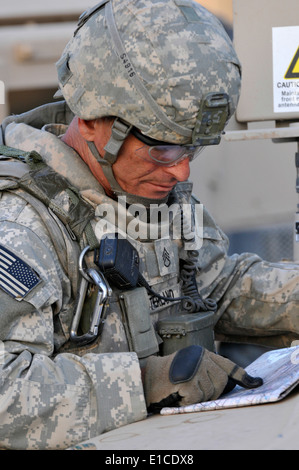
168,155
164,154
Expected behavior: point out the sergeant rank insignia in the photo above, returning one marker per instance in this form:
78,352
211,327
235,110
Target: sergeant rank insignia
16,277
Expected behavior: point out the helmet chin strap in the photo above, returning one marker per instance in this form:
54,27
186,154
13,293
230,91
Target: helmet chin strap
119,132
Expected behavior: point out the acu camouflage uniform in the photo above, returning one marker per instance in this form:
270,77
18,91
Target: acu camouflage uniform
53,396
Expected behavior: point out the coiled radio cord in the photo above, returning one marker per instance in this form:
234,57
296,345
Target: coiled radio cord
194,302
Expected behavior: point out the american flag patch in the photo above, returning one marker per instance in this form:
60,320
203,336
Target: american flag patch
16,277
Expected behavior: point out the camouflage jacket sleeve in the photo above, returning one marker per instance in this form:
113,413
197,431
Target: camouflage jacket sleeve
258,301
50,401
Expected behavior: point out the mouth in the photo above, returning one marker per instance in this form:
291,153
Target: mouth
158,191
162,187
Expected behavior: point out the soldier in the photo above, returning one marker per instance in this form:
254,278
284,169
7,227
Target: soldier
146,85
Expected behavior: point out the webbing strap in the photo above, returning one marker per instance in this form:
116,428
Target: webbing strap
13,168
32,158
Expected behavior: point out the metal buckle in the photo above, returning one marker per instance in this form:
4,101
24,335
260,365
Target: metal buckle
90,276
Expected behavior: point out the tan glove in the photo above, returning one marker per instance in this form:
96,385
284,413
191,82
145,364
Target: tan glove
191,375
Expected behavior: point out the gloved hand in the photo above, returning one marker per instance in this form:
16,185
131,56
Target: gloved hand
191,375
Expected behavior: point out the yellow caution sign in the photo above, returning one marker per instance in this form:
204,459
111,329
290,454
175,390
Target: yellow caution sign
293,69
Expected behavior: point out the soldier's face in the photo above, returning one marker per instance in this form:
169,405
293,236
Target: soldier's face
144,178
133,173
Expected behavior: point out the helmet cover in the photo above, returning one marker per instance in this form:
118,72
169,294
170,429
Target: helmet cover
150,63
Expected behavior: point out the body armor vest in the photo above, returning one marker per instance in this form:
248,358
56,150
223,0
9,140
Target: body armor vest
135,320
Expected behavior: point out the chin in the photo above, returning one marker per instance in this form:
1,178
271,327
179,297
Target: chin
155,195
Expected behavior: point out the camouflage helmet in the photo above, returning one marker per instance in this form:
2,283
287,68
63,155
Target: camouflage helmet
166,67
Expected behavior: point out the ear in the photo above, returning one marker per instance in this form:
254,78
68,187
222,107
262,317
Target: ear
87,128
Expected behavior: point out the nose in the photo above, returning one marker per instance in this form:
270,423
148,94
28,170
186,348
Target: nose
181,171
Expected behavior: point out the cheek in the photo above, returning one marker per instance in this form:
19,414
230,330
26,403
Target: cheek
123,167
133,167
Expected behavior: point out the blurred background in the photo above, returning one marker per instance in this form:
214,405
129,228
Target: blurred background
248,186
